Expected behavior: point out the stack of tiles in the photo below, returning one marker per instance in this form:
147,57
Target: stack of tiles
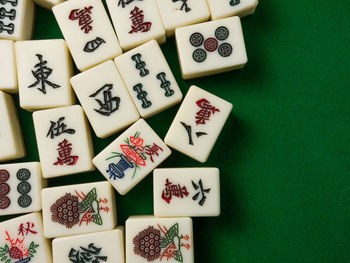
198,123
136,22
186,192
178,13
22,240
210,48
149,79
88,32
105,99
226,8
11,140
64,141
132,156
16,19
107,246
20,188
8,73
77,209
150,239
44,69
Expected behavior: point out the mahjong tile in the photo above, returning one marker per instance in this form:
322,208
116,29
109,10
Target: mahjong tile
225,8
186,192
20,188
11,140
106,246
44,70
77,209
48,4
64,141
132,156
16,19
211,47
151,239
105,99
8,72
22,240
88,32
136,22
180,13
198,123
149,79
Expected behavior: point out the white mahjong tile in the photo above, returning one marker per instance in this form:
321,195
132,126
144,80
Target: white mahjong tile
64,141
136,22
106,246
11,140
44,69
186,192
22,240
48,4
211,47
8,73
198,123
16,19
149,79
20,188
151,239
180,13
105,99
225,8
78,209
132,156
88,32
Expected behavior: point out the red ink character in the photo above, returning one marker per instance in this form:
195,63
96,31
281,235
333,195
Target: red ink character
25,230
84,16
153,150
173,190
64,153
206,110
138,24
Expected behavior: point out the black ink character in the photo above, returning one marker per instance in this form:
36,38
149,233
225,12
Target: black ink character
165,84
57,128
142,96
140,65
92,45
235,2
188,128
184,5
86,255
42,74
9,14
109,104
125,2
201,192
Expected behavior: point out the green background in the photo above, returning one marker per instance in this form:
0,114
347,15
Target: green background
283,153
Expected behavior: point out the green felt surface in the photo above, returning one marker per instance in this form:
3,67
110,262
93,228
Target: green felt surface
284,154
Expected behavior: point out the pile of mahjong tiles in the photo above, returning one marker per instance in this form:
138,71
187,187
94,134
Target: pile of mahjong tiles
124,79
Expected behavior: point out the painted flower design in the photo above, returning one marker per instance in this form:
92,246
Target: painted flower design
147,243
65,210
